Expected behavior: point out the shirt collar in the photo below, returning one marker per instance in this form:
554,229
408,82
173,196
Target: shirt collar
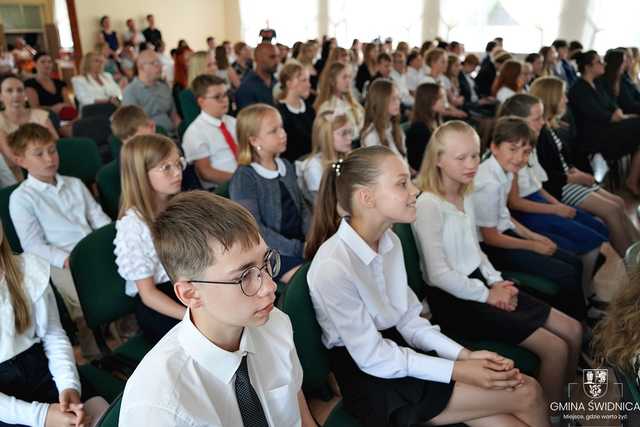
357,244
269,174
35,183
495,166
221,363
210,119
294,110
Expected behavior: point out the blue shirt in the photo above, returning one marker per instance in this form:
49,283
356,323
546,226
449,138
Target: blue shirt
253,90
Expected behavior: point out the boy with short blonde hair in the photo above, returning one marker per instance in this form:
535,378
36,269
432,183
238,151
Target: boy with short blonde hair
129,121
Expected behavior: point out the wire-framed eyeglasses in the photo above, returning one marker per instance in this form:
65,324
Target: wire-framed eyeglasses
252,278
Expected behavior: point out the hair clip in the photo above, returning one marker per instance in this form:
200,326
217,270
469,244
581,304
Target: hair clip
337,166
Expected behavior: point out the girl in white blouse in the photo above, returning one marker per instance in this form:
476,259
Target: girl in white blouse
39,383
382,118
330,140
462,282
393,367
151,170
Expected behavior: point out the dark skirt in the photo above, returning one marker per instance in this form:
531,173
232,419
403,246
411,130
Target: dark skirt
155,325
477,320
380,402
579,235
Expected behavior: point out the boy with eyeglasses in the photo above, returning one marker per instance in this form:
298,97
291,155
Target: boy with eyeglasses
231,361
210,142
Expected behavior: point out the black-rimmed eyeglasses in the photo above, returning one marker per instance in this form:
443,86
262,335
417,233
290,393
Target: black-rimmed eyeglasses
251,279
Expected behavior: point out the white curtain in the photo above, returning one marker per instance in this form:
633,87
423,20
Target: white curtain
541,15
614,23
61,17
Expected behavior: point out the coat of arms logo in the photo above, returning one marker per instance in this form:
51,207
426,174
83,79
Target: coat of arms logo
595,382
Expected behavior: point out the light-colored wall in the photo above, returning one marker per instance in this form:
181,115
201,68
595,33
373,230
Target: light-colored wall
192,20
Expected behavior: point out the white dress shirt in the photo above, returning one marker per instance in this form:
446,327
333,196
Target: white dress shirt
136,255
309,172
87,90
51,219
357,292
530,178
45,328
401,83
370,138
414,77
490,195
204,139
504,93
186,380
447,241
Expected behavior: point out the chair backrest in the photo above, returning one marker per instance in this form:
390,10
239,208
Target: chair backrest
95,274
223,190
9,231
111,416
79,157
100,110
411,259
115,145
97,128
306,331
189,106
108,180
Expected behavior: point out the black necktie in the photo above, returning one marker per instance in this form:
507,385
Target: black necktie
248,402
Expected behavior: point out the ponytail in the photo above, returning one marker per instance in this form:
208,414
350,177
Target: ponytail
326,219
360,168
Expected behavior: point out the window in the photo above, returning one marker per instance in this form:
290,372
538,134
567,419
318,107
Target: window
369,19
525,26
292,20
62,22
612,23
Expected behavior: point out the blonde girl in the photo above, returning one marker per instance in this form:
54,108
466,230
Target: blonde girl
151,172
331,140
40,383
463,284
334,93
382,118
267,186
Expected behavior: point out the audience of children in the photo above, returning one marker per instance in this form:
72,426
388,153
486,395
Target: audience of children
393,366
529,214
463,283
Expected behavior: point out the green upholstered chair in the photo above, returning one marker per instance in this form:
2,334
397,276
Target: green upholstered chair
102,298
115,145
79,157
311,352
223,190
189,106
9,230
526,361
109,189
